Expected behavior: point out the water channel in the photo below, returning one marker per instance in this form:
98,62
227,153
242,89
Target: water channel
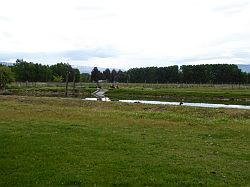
205,105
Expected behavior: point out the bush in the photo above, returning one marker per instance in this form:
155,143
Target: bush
57,79
6,76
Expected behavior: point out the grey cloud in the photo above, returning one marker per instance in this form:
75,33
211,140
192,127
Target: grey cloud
6,34
93,12
241,54
87,54
88,8
231,38
232,9
74,55
4,18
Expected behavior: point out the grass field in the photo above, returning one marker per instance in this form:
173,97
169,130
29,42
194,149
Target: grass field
69,141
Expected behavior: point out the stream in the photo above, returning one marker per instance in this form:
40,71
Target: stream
204,105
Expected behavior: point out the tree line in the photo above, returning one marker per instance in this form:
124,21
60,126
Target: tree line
34,72
108,76
190,74
61,72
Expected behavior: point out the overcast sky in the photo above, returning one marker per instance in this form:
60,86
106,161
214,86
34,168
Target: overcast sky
125,33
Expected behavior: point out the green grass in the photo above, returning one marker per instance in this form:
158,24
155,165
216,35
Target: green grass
68,141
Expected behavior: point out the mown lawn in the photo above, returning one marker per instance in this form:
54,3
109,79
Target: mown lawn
69,141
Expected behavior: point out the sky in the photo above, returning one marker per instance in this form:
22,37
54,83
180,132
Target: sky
125,33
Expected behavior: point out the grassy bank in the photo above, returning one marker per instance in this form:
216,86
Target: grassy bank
49,89
227,94
192,94
68,141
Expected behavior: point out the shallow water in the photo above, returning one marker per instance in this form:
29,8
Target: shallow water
205,105
97,99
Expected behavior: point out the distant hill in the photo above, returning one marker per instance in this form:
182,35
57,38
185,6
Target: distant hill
244,67
6,63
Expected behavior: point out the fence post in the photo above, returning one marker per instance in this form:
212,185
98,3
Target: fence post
67,82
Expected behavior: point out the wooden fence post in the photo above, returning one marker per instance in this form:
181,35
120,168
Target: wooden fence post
67,82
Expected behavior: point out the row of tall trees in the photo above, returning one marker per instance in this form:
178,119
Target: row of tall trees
213,73
154,75
109,76
61,72
199,74
28,71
